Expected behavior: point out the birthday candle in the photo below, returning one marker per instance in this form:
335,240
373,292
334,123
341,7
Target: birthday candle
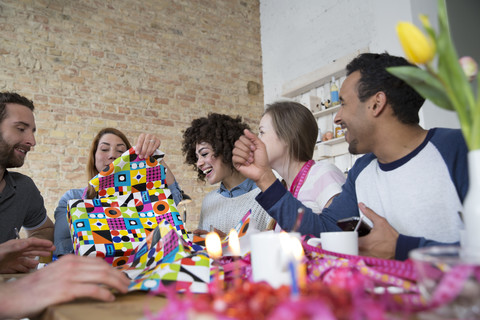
214,250
297,251
214,245
234,245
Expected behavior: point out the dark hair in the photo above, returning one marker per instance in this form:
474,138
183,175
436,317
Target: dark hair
296,125
91,168
219,130
12,97
405,101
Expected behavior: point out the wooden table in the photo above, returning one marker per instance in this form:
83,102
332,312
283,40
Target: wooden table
130,306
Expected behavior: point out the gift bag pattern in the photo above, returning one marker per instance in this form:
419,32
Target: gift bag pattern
165,260
135,226
129,174
132,200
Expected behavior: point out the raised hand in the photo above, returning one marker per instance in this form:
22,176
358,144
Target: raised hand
250,159
146,145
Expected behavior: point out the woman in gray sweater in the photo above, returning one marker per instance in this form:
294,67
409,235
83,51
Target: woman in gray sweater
207,146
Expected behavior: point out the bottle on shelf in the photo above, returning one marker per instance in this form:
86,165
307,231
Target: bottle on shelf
339,132
334,93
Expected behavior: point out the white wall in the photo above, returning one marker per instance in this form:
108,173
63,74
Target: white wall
305,35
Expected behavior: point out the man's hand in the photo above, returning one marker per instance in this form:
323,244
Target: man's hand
250,159
69,278
146,145
200,232
381,242
18,255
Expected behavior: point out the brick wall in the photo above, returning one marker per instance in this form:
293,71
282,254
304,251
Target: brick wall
137,65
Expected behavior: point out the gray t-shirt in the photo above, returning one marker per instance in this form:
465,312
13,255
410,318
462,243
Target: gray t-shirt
21,205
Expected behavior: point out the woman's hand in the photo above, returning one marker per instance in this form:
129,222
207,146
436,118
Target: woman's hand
146,145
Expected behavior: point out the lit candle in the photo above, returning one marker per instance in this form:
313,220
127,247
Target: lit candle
234,246
298,253
214,245
234,243
214,250
287,245
293,251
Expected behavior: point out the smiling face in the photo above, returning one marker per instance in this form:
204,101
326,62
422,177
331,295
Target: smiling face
353,117
213,167
16,135
109,148
277,149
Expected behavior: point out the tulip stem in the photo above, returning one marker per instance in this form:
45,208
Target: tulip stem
463,112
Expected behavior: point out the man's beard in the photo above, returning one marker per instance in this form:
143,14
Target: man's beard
8,158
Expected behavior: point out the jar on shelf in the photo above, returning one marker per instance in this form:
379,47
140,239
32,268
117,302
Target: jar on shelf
339,132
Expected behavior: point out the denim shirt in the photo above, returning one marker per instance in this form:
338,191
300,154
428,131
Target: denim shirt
246,186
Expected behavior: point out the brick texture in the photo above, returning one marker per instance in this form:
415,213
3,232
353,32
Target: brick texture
137,65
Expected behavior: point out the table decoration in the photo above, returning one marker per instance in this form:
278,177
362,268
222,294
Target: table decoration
449,283
337,287
448,86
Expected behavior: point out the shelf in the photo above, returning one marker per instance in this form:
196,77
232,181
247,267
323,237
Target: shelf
325,112
331,142
337,148
314,86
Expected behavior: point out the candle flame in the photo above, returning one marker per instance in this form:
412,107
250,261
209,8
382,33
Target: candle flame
297,249
214,245
234,243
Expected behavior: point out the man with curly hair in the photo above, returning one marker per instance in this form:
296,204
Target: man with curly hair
207,146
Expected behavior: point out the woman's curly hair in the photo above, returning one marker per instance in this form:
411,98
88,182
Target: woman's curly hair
219,130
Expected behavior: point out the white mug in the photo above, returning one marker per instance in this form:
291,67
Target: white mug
269,260
345,242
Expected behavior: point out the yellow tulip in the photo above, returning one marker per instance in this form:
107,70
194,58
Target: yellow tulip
417,47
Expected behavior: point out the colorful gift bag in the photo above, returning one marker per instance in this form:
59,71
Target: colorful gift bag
165,260
133,199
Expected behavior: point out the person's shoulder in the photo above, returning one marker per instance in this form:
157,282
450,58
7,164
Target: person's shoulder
365,159
446,135
447,140
74,193
21,179
360,164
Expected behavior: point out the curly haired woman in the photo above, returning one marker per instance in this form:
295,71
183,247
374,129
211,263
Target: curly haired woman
207,145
